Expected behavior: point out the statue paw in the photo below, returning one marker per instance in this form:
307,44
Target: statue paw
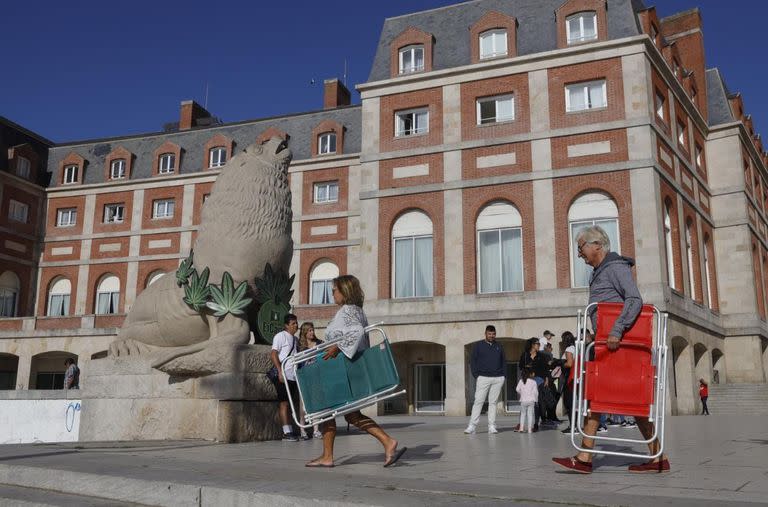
122,348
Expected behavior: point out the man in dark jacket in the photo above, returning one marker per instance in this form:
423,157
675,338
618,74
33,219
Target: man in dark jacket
488,364
611,282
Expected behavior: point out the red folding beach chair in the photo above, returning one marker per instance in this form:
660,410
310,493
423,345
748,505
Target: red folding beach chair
630,381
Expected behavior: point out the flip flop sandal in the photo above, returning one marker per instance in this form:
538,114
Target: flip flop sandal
396,457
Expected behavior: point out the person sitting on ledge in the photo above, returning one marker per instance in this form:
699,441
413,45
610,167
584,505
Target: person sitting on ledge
611,282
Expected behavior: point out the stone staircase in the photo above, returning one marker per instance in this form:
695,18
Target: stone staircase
742,399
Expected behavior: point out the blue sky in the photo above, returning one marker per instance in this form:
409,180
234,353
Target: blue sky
88,69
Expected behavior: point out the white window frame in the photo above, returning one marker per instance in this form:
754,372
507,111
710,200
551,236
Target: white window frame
689,254
412,50
496,34
585,85
682,134
221,158
497,99
660,103
498,217
501,260
400,119
323,272
707,275
70,174
166,163
66,217
698,155
163,209
65,299
10,285
23,167
580,37
324,190
669,247
18,211
117,169
412,235
113,295
599,213
114,213
324,143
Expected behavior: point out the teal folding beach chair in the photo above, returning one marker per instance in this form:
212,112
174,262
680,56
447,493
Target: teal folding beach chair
334,387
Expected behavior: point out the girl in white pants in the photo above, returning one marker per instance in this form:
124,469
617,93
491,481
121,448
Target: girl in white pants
528,391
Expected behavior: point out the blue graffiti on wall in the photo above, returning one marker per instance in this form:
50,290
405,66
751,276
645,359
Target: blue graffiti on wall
69,420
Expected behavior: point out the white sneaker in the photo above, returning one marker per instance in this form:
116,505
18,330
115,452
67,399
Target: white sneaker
492,430
317,434
470,430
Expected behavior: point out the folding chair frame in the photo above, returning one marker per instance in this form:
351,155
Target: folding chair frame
656,413
326,415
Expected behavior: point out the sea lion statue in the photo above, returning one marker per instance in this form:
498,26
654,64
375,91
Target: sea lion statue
183,322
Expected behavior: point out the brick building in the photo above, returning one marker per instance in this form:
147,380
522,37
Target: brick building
489,132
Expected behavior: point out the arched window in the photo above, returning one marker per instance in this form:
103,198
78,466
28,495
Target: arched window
591,209
668,244
58,298
499,249
153,277
707,274
412,259
9,294
320,283
689,253
108,295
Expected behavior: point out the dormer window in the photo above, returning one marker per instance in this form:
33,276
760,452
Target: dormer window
581,27
411,59
327,143
70,174
493,43
23,167
167,163
117,169
217,156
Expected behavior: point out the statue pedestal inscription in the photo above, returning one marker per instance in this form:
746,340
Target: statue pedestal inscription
124,398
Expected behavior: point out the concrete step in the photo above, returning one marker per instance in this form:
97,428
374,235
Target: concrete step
742,399
17,496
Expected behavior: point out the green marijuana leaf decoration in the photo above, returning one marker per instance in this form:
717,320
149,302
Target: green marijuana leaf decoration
273,287
196,292
184,271
227,299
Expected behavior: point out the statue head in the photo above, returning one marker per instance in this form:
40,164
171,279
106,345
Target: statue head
275,150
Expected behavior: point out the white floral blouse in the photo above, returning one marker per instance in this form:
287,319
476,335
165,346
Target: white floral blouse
347,329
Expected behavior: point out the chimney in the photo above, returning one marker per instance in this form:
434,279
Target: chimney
335,94
191,112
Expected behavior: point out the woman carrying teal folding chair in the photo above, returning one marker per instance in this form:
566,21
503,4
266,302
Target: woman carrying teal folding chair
347,329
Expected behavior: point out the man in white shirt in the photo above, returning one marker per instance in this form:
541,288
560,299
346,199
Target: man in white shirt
285,344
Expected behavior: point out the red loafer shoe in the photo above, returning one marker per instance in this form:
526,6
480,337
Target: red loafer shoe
650,467
574,464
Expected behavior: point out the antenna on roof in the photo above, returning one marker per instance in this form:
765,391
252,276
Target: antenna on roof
206,95
345,72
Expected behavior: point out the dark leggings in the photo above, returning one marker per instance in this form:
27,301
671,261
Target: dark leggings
568,402
704,410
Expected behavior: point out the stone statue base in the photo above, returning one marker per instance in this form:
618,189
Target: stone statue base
124,398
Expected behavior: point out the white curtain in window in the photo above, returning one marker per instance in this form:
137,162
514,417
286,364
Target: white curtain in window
500,255
321,283
9,293
108,295
58,298
412,238
587,210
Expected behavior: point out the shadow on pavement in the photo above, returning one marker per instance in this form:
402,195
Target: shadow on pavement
417,453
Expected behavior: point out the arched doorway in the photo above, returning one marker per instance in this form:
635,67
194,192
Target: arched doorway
682,368
702,362
421,367
47,370
718,367
9,367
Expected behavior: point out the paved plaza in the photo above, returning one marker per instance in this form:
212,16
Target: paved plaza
716,460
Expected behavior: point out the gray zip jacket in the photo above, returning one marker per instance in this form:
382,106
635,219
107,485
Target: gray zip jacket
612,282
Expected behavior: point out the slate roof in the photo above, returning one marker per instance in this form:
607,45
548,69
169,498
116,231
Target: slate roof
536,31
719,108
192,142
